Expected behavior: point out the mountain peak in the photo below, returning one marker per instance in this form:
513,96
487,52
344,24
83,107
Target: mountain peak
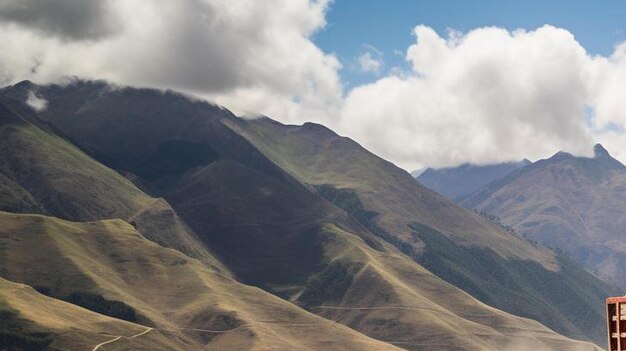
561,155
600,151
25,83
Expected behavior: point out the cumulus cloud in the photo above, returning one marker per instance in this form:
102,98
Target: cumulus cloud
486,96
250,55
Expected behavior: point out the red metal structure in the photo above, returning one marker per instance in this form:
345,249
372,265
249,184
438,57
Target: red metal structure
616,322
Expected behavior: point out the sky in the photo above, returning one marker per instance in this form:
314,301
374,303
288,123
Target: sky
355,26
420,83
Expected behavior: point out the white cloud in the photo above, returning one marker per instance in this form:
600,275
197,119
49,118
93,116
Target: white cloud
249,55
370,60
367,63
487,96
36,102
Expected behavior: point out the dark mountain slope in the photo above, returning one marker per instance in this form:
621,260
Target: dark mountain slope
575,204
42,173
456,182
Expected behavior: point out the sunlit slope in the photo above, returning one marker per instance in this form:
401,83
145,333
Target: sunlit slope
390,298
32,321
167,290
42,173
504,271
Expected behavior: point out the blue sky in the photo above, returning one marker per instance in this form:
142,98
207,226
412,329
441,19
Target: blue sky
387,25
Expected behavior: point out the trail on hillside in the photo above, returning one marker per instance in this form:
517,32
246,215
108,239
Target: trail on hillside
120,337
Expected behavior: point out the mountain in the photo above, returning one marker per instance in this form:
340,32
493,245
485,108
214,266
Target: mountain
456,182
458,245
32,321
50,176
235,195
574,204
109,267
416,173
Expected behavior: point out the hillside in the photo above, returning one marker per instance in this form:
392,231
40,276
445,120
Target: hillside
574,204
456,182
163,289
50,176
433,231
32,321
263,221
192,304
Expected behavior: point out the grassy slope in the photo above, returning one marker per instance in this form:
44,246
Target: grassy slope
392,298
173,292
32,321
62,179
317,156
51,176
288,241
408,306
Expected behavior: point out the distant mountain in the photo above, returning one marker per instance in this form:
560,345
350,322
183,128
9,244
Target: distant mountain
297,211
456,182
574,204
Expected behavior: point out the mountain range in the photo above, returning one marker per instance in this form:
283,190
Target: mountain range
573,204
141,219
457,182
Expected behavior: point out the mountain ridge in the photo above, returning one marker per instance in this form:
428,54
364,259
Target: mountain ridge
258,215
457,182
567,202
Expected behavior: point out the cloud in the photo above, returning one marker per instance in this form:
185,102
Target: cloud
370,60
68,19
36,102
369,64
250,55
486,96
